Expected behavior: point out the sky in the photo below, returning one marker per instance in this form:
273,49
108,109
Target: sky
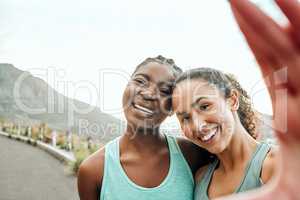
87,49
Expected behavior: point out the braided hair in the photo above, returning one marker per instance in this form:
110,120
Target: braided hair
162,60
226,83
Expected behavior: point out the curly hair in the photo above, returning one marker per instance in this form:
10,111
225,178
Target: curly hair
246,112
226,83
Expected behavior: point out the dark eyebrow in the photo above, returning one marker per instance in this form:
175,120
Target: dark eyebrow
197,101
144,75
167,83
193,105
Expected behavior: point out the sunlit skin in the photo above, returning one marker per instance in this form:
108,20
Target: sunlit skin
203,110
144,153
275,47
148,89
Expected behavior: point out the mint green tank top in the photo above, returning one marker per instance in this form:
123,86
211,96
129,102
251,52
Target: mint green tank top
251,179
178,184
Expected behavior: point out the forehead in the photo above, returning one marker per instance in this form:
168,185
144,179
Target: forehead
188,91
196,87
156,71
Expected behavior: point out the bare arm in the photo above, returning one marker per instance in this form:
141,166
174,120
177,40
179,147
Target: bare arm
90,176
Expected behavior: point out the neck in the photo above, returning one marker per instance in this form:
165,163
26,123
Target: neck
239,150
142,139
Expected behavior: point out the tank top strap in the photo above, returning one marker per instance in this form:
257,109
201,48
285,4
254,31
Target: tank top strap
173,145
251,177
112,150
253,172
259,159
109,164
116,185
178,157
201,188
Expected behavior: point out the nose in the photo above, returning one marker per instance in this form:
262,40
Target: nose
149,93
198,122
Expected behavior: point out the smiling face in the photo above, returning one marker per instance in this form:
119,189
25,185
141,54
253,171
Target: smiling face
205,116
147,97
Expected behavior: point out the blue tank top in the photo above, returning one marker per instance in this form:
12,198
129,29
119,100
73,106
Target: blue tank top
251,179
177,185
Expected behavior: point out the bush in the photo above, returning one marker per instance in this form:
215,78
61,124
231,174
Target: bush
80,155
81,152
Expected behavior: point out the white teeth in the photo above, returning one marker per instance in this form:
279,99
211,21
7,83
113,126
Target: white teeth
209,136
144,109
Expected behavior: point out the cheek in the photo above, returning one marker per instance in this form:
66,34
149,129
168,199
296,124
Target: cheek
166,105
128,95
228,123
186,131
125,98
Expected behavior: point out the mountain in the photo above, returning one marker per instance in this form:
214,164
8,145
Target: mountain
26,99
32,93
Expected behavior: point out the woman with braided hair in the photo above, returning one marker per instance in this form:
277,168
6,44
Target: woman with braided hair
144,164
215,113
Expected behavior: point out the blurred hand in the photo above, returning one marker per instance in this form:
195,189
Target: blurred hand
277,51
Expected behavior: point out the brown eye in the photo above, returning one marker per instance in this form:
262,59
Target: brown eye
165,91
204,107
140,81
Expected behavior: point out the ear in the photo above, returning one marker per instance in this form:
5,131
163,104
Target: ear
233,100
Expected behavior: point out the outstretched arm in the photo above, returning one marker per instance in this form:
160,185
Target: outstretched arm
277,51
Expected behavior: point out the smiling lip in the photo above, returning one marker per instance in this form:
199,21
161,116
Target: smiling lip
209,136
143,109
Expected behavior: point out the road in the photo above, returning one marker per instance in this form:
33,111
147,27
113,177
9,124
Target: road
29,173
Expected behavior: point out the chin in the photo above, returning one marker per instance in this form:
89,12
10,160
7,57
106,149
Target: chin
142,123
214,149
217,149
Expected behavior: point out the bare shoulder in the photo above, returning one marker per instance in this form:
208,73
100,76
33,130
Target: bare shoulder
94,164
268,167
196,156
200,173
90,175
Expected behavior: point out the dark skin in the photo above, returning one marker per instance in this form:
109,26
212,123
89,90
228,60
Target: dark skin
150,88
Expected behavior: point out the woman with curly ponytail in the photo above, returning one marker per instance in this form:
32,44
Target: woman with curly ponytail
216,113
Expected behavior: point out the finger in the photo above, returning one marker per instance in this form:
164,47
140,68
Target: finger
261,50
294,35
280,55
291,8
258,45
266,27
292,11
